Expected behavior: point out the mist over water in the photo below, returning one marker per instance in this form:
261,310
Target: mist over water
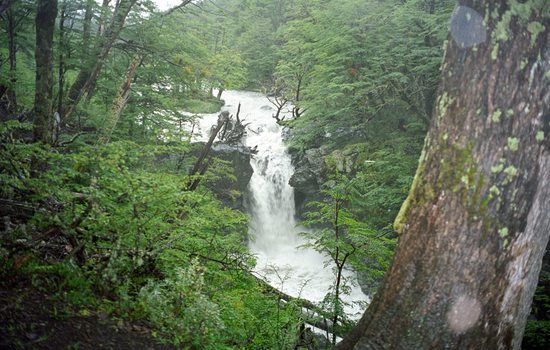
274,231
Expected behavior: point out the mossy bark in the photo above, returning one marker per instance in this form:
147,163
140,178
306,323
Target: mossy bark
43,112
120,100
476,223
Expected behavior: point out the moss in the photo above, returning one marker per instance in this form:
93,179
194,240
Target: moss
520,10
503,232
540,136
501,28
420,192
401,218
484,204
499,167
511,172
457,170
462,175
444,101
476,204
496,116
523,63
210,105
524,9
535,28
494,51
513,144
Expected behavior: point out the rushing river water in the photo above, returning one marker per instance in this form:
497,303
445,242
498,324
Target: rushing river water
274,232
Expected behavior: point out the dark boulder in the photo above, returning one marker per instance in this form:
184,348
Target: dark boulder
231,193
309,174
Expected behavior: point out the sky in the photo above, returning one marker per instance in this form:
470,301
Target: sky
166,4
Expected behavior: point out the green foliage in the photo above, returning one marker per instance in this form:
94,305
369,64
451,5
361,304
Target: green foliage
69,283
227,70
159,251
345,240
202,105
537,335
366,56
178,305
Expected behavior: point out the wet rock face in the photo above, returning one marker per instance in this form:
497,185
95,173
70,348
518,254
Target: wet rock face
312,169
231,193
309,174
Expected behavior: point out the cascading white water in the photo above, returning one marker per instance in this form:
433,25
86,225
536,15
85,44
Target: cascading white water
274,231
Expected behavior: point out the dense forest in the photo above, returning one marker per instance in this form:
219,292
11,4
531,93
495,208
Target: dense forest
121,230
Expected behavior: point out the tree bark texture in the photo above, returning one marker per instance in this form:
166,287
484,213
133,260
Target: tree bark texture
120,100
12,54
5,5
62,49
89,73
43,99
475,224
87,29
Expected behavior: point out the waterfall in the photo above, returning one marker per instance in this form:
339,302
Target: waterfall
274,231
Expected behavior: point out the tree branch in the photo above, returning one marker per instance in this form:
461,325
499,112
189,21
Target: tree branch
5,5
177,7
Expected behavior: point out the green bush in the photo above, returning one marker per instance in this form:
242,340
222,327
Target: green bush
537,335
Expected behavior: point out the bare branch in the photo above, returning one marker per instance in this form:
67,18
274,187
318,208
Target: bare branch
5,4
177,7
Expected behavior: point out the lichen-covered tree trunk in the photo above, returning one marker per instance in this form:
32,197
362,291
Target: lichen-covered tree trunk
120,100
476,222
43,98
90,71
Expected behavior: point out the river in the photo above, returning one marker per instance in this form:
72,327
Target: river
274,231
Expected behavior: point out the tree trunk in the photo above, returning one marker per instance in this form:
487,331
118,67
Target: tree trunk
296,110
120,99
87,29
339,266
104,15
219,95
200,166
62,48
177,7
89,73
475,224
5,5
43,98
222,119
12,55
105,11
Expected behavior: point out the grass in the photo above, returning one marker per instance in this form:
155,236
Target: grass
211,105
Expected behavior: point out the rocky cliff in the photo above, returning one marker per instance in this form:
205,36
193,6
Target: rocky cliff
231,193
